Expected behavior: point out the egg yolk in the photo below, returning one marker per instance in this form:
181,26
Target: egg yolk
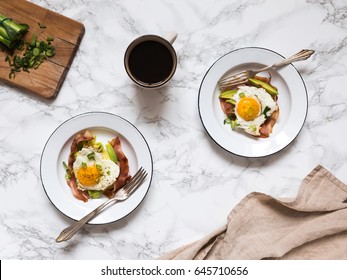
248,108
88,176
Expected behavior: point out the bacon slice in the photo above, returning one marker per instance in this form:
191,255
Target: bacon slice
79,194
78,140
124,176
267,126
86,136
227,108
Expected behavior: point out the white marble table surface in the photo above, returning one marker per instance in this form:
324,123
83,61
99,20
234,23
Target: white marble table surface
195,182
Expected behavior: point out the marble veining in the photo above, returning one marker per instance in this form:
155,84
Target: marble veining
195,183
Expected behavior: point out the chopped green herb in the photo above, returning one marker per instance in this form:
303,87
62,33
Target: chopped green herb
266,109
35,53
80,145
227,121
91,156
65,165
98,146
233,124
33,40
67,171
84,165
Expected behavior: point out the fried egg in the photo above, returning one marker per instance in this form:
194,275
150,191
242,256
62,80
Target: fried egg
252,107
93,172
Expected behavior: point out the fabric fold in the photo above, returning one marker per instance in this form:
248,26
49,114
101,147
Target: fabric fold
311,226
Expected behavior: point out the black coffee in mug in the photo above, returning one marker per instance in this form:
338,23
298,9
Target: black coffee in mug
150,61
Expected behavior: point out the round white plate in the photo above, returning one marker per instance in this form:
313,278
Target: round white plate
292,101
105,126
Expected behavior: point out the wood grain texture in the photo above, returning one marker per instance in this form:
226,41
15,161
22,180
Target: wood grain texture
47,80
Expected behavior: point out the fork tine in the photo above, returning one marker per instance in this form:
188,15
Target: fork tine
232,77
138,175
238,79
132,180
138,183
232,83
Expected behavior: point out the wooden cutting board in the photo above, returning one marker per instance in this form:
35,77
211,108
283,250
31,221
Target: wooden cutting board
47,80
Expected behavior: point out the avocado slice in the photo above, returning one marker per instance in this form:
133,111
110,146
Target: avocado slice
111,152
105,154
94,194
227,94
231,101
270,89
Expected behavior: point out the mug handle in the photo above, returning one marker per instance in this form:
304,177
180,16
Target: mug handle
171,37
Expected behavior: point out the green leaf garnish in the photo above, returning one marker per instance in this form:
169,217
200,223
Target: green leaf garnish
91,156
266,109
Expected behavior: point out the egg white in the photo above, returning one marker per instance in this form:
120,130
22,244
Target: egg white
108,169
265,100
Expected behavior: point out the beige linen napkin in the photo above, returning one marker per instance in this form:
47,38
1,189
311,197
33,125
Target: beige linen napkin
313,226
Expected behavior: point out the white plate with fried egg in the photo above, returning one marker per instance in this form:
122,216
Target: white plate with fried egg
292,102
104,126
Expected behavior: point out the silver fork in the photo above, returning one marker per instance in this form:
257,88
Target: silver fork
242,77
121,195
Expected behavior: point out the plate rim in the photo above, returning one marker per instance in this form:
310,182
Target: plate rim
199,105
97,113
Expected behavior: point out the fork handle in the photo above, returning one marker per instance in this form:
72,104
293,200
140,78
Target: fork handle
301,55
70,231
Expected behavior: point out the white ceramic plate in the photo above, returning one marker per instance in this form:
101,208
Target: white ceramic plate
105,126
292,102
